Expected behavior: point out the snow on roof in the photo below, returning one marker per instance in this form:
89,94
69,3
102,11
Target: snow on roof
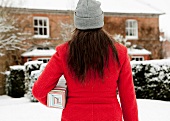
115,6
128,6
132,51
36,52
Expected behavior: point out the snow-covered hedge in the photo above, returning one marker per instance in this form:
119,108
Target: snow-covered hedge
29,67
15,85
152,79
33,77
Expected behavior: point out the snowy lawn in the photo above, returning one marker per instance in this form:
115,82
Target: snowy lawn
21,109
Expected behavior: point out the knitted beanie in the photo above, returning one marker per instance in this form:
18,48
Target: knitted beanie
88,15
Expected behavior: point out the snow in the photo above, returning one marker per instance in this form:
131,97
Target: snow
153,110
21,109
128,6
17,67
132,51
32,63
36,52
155,62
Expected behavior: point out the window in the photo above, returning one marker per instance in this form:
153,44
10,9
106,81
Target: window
137,58
45,60
131,29
41,27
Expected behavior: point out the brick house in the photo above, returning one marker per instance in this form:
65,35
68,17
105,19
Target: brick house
139,25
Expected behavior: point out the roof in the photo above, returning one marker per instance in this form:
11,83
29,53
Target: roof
36,52
113,6
132,51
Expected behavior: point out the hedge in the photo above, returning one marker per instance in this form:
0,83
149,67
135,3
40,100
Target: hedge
15,84
33,77
29,67
152,80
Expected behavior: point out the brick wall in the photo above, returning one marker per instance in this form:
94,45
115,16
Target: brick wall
166,49
148,31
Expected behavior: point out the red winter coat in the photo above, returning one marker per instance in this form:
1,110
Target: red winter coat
96,100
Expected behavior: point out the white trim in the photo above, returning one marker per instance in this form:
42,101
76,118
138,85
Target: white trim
45,20
138,57
132,28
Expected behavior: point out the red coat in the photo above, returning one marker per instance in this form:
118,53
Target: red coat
96,100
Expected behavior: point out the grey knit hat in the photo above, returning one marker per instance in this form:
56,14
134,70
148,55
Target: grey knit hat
88,15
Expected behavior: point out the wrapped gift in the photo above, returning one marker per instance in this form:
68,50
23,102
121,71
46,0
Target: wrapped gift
57,97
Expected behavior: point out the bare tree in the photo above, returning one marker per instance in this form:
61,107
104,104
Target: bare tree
66,30
12,37
119,38
11,31
67,27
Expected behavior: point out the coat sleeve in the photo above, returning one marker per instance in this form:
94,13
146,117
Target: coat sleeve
48,78
126,91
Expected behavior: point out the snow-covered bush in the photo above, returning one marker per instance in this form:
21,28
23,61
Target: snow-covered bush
152,80
15,82
33,77
29,67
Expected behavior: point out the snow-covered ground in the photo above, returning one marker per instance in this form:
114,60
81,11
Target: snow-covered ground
21,109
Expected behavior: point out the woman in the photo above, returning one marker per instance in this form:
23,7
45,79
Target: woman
94,66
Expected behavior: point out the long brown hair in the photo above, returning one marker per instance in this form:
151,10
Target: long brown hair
89,49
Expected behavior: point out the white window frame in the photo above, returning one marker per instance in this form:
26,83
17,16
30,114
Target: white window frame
131,29
41,59
38,26
139,57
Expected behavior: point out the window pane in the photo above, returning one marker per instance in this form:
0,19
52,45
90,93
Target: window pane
45,31
131,32
40,23
134,32
134,24
35,22
35,31
45,23
131,24
40,31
